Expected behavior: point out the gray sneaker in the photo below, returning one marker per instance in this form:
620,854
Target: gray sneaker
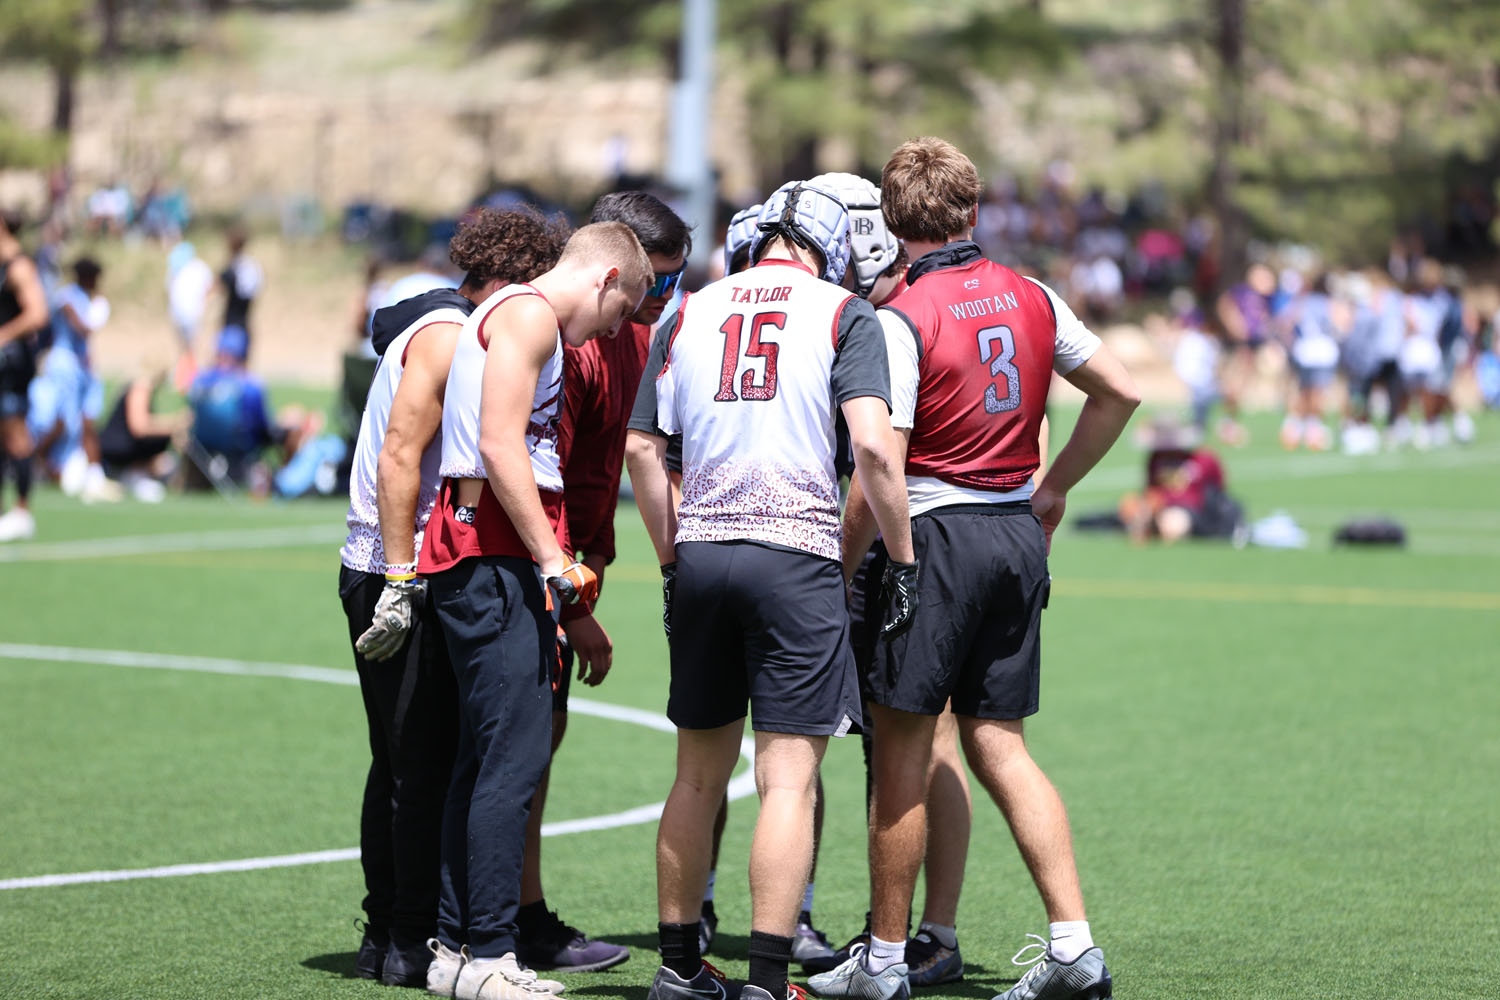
708,984
852,979
809,945
1084,978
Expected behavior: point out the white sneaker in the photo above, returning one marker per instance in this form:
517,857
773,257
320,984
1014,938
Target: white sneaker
442,974
144,488
74,474
1463,427
102,490
500,978
17,525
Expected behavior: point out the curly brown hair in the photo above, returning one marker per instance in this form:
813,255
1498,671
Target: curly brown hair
512,245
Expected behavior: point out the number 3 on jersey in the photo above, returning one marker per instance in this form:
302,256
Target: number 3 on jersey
757,348
1001,363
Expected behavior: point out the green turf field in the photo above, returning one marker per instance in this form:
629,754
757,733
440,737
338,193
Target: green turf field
1281,766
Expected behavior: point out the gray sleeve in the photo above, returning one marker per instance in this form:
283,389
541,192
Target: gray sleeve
860,366
643,413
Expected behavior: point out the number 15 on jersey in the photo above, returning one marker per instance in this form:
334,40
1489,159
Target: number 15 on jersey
758,347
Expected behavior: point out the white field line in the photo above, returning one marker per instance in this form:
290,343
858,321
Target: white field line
185,541
739,788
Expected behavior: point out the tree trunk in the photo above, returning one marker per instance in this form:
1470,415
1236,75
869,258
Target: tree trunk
1228,135
109,44
65,75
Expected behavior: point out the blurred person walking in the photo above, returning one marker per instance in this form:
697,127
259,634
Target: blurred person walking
23,313
240,281
1244,314
189,280
67,397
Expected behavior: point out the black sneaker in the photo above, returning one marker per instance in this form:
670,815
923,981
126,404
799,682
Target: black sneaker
370,958
931,962
708,925
555,945
406,962
708,984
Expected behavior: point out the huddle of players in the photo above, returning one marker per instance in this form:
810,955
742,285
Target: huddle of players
941,394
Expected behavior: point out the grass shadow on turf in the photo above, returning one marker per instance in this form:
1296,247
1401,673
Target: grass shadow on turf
610,989
338,963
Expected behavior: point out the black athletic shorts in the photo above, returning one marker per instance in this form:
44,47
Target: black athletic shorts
865,613
17,368
976,637
766,626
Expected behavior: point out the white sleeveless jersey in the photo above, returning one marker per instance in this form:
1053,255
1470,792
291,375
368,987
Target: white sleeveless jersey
747,384
363,550
461,459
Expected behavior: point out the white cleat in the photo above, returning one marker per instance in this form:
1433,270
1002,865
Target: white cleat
17,525
500,978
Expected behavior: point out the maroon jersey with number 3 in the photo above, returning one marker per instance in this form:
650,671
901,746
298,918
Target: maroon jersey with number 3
986,337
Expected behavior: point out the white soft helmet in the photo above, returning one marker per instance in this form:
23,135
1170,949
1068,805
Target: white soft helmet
741,234
874,248
813,218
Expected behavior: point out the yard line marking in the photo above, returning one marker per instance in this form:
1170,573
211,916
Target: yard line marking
174,871
1152,590
740,787
185,541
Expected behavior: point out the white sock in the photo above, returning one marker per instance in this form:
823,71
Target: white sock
945,936
807,900
708,894
883,954
1070,938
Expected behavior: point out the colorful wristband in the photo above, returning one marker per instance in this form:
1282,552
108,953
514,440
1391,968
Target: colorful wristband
399,577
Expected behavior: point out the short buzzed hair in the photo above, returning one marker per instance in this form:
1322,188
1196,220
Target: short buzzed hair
660,230
929,190
613,243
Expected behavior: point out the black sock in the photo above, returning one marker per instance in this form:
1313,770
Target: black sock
770,954
531,917
679,948
21,469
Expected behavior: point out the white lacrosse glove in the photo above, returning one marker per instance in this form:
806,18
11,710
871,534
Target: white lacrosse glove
395,614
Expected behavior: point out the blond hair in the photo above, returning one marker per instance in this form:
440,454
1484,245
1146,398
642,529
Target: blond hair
614,244
929,190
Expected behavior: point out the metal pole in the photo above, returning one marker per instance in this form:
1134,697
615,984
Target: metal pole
688,164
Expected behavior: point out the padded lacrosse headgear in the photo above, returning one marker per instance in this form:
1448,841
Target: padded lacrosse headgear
740,235
811,217
874,248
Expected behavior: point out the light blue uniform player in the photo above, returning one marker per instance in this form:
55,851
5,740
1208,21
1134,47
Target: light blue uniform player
67,397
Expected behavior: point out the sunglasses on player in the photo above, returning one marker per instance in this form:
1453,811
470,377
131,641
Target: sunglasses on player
665,284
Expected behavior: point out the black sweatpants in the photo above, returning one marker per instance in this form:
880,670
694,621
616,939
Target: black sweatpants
411,704
502,642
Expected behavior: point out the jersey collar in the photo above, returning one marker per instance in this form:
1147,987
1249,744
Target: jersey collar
955,254
787,262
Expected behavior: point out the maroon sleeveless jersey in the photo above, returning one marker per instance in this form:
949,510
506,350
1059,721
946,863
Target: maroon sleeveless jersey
986,337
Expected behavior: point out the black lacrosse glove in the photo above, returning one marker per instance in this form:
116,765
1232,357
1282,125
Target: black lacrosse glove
668,587
898,596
